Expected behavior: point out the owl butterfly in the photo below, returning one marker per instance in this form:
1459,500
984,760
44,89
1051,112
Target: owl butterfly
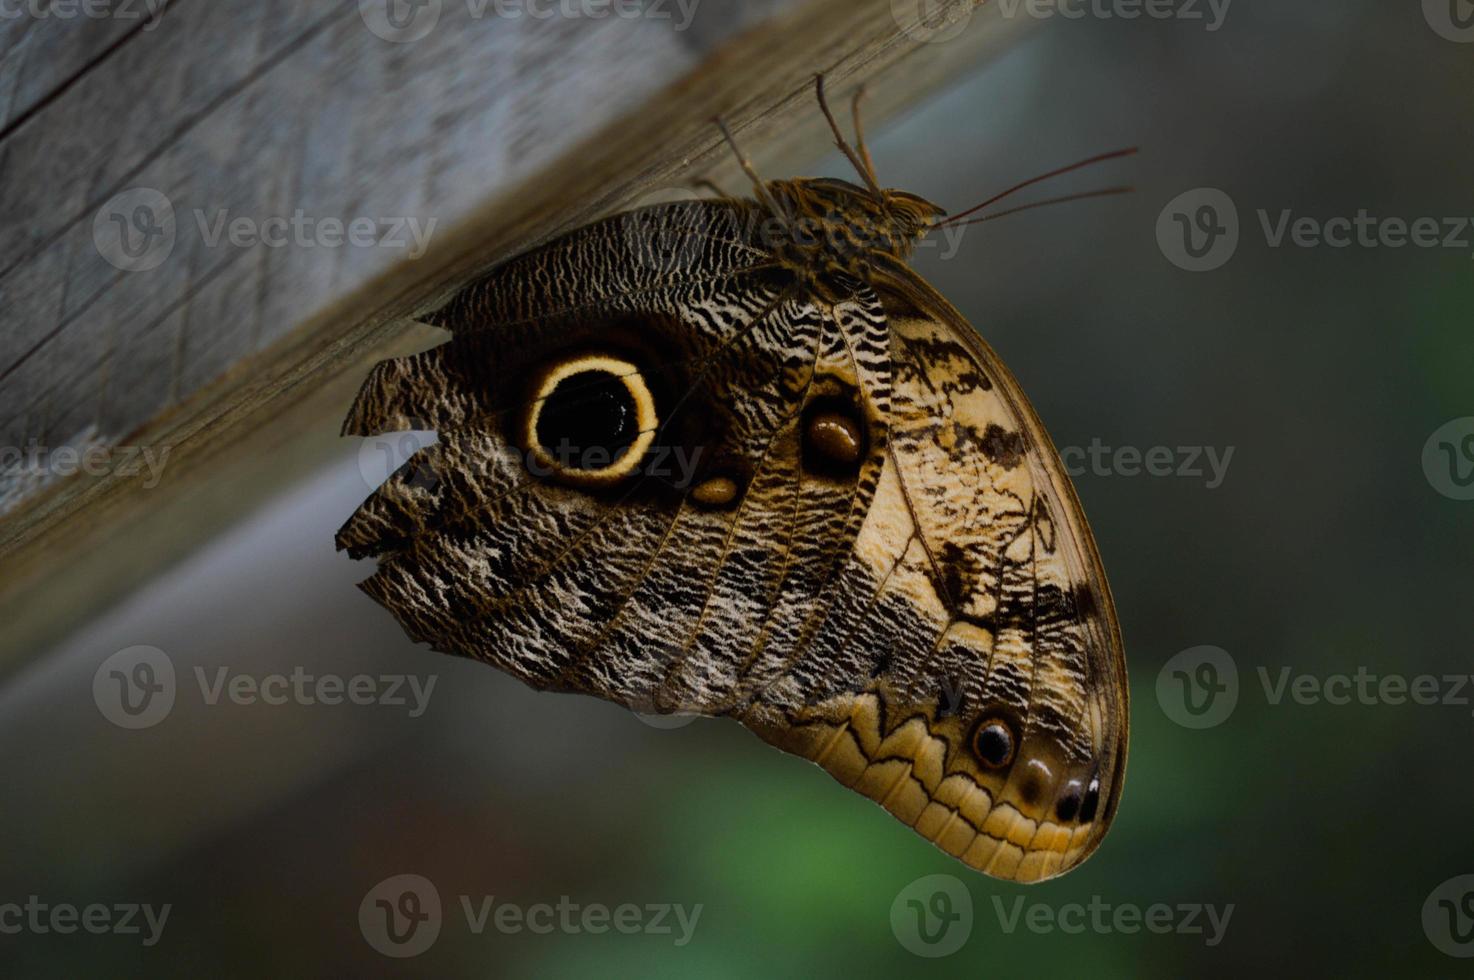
733,457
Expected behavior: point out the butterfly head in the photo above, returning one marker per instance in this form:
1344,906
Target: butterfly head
829,227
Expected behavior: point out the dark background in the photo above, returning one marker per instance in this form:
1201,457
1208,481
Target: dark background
1327,548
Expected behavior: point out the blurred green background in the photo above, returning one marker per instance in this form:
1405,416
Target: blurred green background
1327,547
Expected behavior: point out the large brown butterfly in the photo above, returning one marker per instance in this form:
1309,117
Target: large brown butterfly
733,457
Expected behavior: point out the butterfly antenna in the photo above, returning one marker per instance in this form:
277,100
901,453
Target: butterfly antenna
1102,158
862,164
860,143
757,182
1085,196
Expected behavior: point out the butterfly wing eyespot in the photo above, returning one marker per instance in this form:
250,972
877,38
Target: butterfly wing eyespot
715,492
1091,801
994,743
590,420
835,441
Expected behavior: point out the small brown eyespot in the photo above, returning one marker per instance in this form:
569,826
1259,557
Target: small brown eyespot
834,439
716,492
837,437
993,743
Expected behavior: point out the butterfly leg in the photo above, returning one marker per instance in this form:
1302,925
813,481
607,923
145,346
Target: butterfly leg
707,185
758,185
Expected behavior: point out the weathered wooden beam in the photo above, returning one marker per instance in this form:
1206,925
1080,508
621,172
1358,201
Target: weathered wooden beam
231,360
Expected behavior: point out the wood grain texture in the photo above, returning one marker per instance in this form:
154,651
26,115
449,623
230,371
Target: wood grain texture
239,359
42,56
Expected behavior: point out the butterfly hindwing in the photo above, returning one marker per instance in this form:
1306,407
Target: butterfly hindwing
976,582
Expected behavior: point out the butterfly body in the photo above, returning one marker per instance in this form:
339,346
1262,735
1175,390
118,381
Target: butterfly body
868,552
827,228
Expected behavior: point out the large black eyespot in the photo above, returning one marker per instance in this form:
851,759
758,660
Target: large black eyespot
993,743
588,414
590,420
